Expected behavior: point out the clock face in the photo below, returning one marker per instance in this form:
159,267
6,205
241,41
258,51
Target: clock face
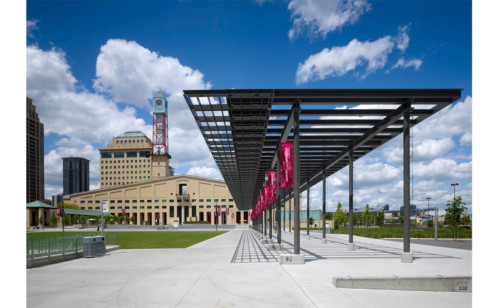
158,102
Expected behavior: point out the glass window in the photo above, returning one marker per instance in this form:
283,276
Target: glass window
216,200
149,207
90,208
156,206
82,207
106,155
164,201
156,201
126,201
171,200
200,200
142,207
112,207
208,200
194,200
133,201
134,207
164,207
230,200
112,201
90,201
201,206
119,201
208,206
131,154
142,201
83,201
118,154
119,207
144,154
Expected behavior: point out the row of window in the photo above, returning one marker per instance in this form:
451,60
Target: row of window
129,166
150,201
130,141
171,208
128,154
127,161
127,172
118,178
122,183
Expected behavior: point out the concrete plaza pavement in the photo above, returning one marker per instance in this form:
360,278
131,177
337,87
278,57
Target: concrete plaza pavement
235,270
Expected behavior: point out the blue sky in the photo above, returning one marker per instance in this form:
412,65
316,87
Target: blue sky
92,68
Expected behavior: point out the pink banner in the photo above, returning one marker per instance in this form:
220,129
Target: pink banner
286,157
272,185
267,193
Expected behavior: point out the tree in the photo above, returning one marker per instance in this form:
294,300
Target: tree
366,216
340,216
53,219
65,219
453,212
328,216
379,218
107,218
127,219
132,219
311,221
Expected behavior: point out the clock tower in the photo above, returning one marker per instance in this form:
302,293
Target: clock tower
160,141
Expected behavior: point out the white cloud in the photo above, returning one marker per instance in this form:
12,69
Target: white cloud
403,38
133,74
207,172
466,139
338,61
318,18
442,169
424,149
402,63
31,25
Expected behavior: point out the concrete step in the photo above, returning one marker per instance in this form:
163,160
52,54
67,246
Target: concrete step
436,283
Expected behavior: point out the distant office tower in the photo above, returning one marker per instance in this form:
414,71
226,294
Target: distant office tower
76,176
35,166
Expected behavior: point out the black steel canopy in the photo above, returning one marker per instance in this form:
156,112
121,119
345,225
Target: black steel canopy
243,128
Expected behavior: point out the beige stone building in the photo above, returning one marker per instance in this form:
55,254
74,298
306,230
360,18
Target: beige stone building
128,159
165,200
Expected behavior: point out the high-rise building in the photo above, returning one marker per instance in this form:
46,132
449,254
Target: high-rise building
35,166
128,159
132,157
76,175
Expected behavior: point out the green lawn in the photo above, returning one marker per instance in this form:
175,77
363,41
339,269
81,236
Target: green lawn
398,232
142,239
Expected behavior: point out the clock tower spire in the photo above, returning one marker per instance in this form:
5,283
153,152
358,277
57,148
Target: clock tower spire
160,140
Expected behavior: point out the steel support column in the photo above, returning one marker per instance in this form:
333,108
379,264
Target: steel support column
296,177
278,200
308,211
407,172
270,219
290,213
264,222
284,215
324,204
351,196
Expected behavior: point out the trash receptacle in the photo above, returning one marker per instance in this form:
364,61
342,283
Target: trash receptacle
100,243
89,247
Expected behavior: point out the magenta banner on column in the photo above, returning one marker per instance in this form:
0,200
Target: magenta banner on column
272,185
286,158
265,189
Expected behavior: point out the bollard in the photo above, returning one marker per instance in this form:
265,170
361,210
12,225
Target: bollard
49,246
32,249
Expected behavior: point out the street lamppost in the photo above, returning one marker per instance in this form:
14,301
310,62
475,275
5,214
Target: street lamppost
454,185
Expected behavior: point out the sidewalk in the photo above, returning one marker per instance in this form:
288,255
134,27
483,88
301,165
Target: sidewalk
235,270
